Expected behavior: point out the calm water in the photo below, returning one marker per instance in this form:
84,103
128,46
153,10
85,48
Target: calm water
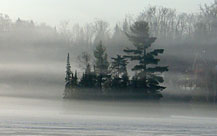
34,116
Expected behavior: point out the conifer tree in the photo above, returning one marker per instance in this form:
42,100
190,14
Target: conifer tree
68,77
119,66
101,64
88,78
148,72
68,71
83,81
119,70
76,78
72,84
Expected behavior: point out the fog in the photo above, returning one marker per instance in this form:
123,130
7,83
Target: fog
34,55
53,11
33,65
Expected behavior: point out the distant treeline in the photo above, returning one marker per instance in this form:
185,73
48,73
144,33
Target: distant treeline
189,41
171,28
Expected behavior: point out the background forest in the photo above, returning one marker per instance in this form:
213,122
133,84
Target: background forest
189,41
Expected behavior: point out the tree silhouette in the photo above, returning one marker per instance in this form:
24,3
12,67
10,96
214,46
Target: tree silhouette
148,74
119,66
68,77
101,64
119,70
68,71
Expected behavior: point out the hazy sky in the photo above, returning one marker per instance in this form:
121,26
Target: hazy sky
54,11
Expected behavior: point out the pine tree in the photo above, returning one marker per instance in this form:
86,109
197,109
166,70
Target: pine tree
148,76
119,66
72,84
68,77
101,64
119,70
88,78
76,78
68,72
83,81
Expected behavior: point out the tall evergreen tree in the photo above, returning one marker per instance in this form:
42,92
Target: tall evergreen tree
148,72
101,64
72,81
68,78
76,78
68,71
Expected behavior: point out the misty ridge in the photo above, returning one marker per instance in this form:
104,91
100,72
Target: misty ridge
40,50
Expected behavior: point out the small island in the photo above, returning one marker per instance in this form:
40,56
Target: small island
105,80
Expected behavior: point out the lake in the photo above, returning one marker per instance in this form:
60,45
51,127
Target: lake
57,117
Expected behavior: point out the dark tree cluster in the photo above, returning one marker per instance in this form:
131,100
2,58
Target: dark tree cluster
113,77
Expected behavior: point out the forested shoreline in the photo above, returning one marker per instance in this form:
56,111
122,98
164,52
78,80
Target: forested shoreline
189,43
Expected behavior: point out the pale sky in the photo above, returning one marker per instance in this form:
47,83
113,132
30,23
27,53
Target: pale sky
52,12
